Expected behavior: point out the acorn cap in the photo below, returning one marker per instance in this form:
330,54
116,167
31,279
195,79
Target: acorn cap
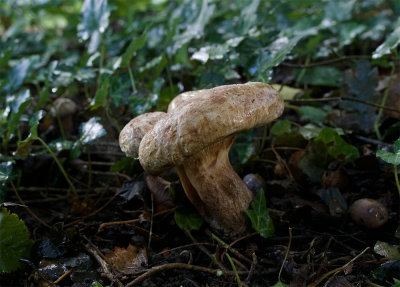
209,117
133,132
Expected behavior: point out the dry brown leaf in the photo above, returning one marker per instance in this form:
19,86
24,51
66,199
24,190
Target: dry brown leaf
159,187
128,259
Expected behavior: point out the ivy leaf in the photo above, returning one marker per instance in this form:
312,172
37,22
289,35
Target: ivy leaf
5,172
391,157
17,75
17,106
136,44
391,43
24,146
259,216
337,146
281,127
321,76
89,131
195,29
188,220
101,94
280,284
315,115
95,14
14,241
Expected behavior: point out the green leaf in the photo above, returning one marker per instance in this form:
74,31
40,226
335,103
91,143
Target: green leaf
389,157
259,216
101,94
280,284
315,115
17,75
281,127
24,146
390,44
196,28
91,130
5,172
17,106
136,44
95,14
362,85
397,146
14,241
275,53
321,76
391,252
216,51
339,10
337,146
188,220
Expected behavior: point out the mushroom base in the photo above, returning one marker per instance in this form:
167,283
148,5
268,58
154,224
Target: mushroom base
215,189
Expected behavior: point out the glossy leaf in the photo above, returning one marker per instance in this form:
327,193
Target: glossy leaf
390,44
95,20
14,241
188,220
322,76
17,106
17,75
136,44
91,130
100,98
5,172
24,146
337,147
195,29
281,127
391,157
259,216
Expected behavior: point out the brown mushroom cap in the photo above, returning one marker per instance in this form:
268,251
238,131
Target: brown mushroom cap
133,132
209,117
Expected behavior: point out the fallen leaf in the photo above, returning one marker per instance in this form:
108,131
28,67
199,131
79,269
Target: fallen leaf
128,259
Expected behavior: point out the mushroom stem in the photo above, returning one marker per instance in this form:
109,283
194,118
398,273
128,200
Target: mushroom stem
215,189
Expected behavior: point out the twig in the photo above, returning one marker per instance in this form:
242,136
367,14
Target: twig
157,269
231,249
286,255
27,208
206,251
63,276
333,99
252,267
106,224
337,270
151,221
103,264
93,213
326,62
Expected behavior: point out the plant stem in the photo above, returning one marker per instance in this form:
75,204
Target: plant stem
132,79
234,270
58,163
396,178
385,96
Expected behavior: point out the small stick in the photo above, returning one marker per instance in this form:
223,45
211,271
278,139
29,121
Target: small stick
286,255
63,276
106,224
169,266
336,270
103,264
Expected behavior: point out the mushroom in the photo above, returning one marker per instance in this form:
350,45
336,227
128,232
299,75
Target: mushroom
63,109
196,137
133,132
369,213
